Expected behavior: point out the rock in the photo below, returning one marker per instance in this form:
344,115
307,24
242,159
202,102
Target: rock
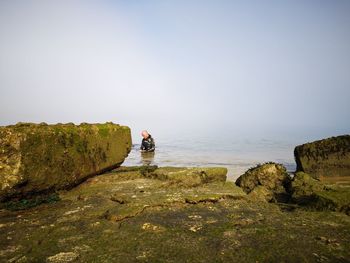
152,227
303,186
261,193
312,193
193,176
63,257
272,176
328,157
36,158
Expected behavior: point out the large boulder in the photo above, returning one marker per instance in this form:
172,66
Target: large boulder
328,157
36,158
270,180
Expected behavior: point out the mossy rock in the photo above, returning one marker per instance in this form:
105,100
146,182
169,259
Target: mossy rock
174,176
273,177
328,157
312,193
192,176
261,193
303,185
37,158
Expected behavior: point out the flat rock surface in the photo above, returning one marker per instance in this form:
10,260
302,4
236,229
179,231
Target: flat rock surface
124,216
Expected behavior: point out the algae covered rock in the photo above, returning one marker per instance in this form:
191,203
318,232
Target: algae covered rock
328,157
174,176
312,193
189,176
38,158
261,193
304,186
272,176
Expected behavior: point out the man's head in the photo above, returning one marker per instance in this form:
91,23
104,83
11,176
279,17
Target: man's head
144,134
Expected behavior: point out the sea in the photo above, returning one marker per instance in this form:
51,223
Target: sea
236,154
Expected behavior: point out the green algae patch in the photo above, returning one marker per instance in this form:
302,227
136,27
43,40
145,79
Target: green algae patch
34,201
38,158
125,216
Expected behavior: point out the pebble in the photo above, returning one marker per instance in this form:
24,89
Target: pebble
95,224
195,216
195,228
63,257
72,212
149,226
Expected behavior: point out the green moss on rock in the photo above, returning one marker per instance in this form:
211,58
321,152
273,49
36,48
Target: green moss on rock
175,176
40,157
269,177
34,201
190,177
313,194
328,157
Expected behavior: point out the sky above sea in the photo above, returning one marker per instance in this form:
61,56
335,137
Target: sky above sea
190,70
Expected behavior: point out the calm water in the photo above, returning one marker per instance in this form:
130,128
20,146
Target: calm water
236,155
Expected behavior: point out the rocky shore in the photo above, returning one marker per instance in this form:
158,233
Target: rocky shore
176,214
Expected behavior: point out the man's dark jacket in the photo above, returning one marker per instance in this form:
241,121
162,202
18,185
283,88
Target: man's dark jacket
148,144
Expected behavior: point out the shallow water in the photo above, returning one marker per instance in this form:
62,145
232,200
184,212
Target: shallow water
236,155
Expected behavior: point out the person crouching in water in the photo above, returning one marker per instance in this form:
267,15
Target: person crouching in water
147,144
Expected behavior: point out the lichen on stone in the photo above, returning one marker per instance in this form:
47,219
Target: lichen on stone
37,158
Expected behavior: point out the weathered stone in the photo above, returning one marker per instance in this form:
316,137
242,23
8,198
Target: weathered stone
272,176
176,176
261,193
193,176
328,157
63,257
304,185
312,193
41,158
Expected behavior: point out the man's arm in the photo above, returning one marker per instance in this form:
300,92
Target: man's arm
142,148
153,146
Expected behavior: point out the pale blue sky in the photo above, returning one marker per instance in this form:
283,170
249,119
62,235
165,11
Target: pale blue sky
246,68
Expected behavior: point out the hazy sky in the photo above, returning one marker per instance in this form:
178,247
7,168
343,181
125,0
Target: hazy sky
264,68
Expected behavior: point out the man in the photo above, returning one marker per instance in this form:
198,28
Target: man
147,144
